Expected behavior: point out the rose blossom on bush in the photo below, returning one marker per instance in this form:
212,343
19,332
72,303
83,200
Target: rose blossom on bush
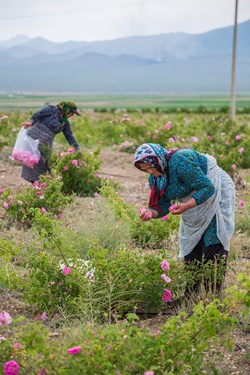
5,205
66,270
241,203
164,217
5,319
233,166
44,316
241,150
167,295
237,137
165,265
149,373
74,162
17,345
166,278
74,350
70,150
194,139
168,125
11,368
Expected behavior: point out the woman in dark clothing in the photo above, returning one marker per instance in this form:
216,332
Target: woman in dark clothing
44,125
205,196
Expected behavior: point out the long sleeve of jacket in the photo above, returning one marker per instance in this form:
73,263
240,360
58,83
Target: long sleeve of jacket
190,174
69,136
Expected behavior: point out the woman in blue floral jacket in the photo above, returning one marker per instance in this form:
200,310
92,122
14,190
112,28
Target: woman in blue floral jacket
205,195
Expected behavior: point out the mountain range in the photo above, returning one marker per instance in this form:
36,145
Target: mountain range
173,63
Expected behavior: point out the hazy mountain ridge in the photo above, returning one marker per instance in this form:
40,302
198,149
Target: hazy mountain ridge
176,62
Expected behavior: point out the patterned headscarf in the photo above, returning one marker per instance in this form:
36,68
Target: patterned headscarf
155,155
67,108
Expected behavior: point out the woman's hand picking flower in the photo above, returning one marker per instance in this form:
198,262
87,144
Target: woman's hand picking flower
146,214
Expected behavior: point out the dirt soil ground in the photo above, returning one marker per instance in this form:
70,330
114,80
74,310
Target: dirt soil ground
119,167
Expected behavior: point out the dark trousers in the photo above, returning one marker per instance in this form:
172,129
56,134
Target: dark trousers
207,265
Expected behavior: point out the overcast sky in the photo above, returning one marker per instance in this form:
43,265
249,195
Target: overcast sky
88,20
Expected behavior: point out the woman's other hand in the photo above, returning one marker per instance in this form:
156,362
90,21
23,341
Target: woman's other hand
26,124
146,214
179,208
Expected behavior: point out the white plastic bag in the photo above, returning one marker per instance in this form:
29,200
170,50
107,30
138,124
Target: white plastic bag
26,149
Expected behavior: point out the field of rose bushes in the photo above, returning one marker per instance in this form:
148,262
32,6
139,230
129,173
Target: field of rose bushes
87,288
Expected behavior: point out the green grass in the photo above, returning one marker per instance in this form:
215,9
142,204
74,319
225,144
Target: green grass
26,102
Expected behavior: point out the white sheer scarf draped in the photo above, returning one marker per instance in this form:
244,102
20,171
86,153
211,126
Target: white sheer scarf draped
222,204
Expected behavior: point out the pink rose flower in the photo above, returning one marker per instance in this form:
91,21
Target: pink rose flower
165,265
194,139
237,137
149,373
43,185
5,205
43,372
210,138
164,217
70,150
10,197
66,270
11,368
1,191
149,215
168,125
154,136
74,350
166,278
172,208
167,295
44,316
43,210
65,168
17,345
74,162
234,166
96,195
241,150
171,140
241,203
19,203
5,319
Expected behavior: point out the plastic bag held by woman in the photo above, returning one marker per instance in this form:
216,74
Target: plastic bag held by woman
26,149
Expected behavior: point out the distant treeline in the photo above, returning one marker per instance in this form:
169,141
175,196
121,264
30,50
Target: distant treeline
197,110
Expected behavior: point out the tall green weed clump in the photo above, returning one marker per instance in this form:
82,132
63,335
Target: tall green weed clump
151,233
